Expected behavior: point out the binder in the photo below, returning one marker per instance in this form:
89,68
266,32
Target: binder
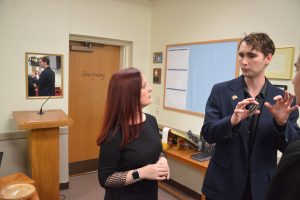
202,156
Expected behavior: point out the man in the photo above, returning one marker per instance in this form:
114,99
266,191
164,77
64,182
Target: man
46,82
285,183
246,139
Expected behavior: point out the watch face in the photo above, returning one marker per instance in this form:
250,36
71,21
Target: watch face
135,175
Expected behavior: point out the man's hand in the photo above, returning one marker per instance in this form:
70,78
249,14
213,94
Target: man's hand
281,110
240,111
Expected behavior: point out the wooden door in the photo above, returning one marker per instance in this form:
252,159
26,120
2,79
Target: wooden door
89,75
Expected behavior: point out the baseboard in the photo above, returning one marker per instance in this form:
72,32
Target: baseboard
178,190
64,186
85,166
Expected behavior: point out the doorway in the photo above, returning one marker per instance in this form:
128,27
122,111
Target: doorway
90,67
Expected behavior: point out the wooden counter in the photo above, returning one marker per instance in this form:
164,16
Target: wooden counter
184,156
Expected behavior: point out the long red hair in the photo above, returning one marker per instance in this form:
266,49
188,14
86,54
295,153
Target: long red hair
123,108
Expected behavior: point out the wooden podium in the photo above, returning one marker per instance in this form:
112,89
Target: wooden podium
43,148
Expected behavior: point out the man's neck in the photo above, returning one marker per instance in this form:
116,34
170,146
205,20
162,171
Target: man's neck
255,85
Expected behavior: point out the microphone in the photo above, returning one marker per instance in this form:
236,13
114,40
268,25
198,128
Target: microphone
41,109
1,155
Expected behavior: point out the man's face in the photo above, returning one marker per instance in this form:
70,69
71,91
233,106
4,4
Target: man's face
252,61
42,64
296,80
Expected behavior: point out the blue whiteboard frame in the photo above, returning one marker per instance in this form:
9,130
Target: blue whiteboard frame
209,63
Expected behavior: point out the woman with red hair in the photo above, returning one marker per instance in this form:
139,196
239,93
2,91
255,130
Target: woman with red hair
130,160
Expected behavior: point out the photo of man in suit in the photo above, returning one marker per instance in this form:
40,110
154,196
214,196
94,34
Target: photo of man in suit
46,82
248,119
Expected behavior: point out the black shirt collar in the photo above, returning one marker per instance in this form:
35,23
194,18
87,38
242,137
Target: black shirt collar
262,92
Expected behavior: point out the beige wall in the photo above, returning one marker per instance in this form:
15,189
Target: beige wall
44,26
179,21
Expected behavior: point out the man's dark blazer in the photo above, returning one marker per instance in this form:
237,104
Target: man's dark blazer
227,172
46,82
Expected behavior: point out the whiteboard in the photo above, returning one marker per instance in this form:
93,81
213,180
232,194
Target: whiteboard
193,68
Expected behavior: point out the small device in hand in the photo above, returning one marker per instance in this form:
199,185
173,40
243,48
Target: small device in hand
253,108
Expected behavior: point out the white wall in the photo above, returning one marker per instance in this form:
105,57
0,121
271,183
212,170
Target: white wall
14,146
44,26
128,20
179,21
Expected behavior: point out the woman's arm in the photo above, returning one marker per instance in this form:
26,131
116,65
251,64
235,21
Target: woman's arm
108,173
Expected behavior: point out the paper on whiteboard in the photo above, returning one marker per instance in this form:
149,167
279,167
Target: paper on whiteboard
178,58
175,99
177,80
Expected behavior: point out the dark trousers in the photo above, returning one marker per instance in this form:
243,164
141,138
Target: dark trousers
247,193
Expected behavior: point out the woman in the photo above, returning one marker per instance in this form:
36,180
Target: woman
285,183
130,159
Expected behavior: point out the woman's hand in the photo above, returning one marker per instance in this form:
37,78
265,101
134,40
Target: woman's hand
164,162
157,171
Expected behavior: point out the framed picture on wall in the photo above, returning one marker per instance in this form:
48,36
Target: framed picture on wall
281,65
283,87
157,57
156,75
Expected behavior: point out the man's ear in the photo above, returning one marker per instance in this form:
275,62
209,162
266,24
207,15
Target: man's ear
268,59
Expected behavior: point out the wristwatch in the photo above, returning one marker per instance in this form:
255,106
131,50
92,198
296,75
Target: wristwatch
135,175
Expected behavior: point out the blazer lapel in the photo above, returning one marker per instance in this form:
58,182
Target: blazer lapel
271,93
237,95
237,92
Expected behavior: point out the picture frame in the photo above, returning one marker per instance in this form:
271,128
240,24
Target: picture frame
157,57
281,65
156,75
283,87
33,72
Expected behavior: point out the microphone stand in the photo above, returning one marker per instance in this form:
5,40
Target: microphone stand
41,109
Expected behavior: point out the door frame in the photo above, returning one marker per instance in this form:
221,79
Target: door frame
126,52
126,47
